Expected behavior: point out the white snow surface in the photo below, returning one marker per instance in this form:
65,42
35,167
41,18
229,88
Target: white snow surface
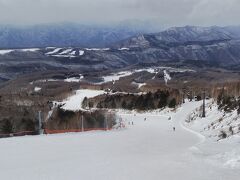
147,150
74,103
81,53
54,51
123,49
97,49
167,76
116,76
67,51
152,70
139,85
37,89
5,51
30,50
74,79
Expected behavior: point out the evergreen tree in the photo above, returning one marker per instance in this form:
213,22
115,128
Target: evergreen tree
172,103
124,104
7,126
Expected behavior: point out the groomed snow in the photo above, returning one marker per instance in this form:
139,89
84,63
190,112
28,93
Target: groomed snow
74,102
147,150
152,70
54,51
116,77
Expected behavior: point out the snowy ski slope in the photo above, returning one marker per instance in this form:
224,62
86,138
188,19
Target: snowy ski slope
146,150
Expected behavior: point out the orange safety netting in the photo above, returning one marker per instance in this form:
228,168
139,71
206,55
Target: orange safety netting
48,131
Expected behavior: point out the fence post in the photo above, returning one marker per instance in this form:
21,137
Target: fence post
40,131
106,122
82,124
204,96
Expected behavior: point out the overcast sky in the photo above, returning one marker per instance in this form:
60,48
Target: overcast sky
165,12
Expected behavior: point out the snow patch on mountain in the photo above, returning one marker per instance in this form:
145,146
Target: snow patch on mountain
97,49
7,51
3,52
123,49
167,76
81,53
139,85
54,51
67,51
75,79
37,89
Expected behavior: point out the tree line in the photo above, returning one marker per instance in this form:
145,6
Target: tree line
148,101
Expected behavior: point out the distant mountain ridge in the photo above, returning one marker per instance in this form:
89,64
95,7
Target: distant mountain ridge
184,46
69,34
184,35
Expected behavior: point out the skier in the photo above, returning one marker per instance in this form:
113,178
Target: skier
132,122
174,128
145,119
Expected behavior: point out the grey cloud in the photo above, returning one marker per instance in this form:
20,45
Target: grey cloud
166,12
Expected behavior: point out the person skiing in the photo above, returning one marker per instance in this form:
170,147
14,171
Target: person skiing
174,128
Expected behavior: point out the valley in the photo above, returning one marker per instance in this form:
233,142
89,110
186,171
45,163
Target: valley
138,101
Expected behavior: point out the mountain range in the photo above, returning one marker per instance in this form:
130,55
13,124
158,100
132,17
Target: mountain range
70,34
193,46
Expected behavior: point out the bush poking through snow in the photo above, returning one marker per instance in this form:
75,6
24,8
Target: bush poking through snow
228,103
222,134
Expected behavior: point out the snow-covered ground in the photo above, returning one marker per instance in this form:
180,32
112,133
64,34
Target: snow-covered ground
75,79
139,85
216,121
74,102
7,51
167,76
221,151
115,76
37,89
153,70
63,52
145,150
97,49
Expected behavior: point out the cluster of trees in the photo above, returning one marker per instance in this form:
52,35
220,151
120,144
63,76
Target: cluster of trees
24,122
65,119
149,101
228,103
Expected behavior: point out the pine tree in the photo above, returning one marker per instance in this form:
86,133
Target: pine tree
7,126
172,103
